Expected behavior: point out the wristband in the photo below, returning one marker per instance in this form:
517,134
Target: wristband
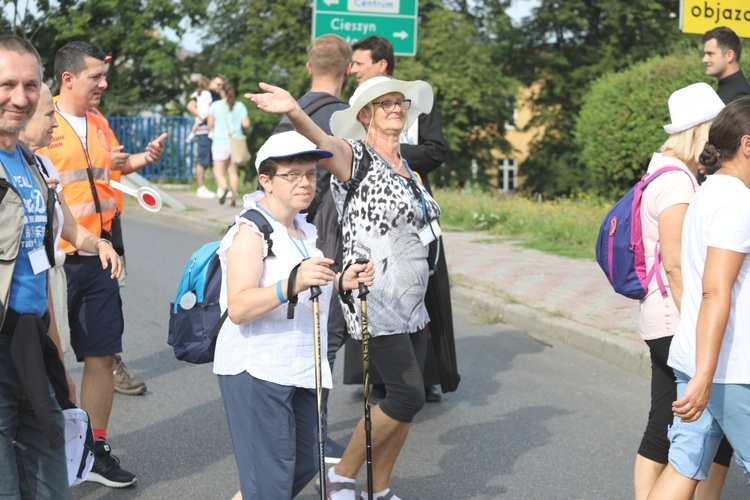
279,294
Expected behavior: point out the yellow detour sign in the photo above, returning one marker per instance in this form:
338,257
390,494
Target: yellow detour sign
699,16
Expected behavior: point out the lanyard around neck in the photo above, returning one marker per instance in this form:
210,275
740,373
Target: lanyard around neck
301,249
413,189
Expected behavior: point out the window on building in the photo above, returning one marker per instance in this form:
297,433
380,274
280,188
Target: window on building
507,174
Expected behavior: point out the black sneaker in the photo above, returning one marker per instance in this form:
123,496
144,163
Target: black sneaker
106,469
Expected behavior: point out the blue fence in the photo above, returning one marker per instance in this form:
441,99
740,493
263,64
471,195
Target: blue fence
135,132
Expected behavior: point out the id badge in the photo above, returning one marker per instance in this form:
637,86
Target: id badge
39,260
429,233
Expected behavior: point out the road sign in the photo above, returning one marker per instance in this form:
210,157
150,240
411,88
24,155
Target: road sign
353,20
699,16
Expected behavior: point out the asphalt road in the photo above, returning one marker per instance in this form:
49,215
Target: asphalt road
532,419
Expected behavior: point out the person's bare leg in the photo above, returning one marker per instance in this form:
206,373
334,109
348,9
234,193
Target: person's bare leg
645,474
200,176
98,389
710,489
672,485
388,436
220,174
234,179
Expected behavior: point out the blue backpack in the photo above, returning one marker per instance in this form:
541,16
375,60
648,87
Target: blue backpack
619,246
195,317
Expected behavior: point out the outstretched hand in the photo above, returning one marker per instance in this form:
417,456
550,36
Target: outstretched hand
275,100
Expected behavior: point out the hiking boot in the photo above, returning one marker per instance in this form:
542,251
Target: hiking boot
124,381
106,469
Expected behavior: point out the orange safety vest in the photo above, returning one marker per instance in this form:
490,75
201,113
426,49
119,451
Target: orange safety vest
83,170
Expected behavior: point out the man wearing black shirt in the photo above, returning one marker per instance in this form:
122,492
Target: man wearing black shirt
721,56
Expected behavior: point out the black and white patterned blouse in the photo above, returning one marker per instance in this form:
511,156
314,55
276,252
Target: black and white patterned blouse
381,224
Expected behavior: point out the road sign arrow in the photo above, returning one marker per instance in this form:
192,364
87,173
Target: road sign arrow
403,35
331,2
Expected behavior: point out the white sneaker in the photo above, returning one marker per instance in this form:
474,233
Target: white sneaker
204,192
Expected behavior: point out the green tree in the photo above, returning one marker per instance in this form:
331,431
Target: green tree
621,120
474,94
146,71
568,45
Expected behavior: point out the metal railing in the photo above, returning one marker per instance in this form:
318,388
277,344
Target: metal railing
135,132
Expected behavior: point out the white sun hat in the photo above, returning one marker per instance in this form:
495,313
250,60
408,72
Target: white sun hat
286,145
344,123
694,104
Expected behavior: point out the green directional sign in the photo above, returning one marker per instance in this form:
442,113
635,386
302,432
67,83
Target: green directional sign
353,20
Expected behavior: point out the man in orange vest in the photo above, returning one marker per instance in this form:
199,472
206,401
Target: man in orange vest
86,154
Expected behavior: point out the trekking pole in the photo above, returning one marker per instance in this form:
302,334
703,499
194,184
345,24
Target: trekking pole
363,291
315,291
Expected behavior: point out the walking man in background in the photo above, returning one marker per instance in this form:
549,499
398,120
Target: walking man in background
85,151
721,56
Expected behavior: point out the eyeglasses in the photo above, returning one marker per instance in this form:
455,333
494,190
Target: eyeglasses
296,177
389,105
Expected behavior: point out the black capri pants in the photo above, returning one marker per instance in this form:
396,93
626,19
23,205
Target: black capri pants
400,359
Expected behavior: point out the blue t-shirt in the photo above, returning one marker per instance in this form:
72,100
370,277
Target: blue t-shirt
227,123
28,290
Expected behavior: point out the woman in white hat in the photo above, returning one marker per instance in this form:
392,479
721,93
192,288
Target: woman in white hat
264,360
663,209
389,219
711,347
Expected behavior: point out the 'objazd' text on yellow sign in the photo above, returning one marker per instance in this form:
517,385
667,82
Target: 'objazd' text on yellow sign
699,16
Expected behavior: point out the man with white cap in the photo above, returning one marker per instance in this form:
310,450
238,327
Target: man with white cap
265,361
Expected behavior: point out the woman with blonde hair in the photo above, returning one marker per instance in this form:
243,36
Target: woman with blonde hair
711,346
663,209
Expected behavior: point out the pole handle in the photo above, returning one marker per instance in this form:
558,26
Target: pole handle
315,291
363,290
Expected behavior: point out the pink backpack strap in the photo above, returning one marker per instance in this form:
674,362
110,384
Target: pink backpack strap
655,272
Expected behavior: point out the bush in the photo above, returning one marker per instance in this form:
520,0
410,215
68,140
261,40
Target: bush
621,121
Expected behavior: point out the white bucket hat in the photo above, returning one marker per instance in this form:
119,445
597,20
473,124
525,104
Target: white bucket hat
694,104
344,123
286,145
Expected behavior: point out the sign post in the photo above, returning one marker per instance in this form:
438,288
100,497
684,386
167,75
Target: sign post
395,20
699,16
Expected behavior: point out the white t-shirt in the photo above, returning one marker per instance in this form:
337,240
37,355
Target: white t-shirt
719,216
658,316
272,347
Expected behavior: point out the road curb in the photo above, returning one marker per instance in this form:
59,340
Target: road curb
625,353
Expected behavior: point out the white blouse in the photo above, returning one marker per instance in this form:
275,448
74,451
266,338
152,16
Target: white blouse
272,347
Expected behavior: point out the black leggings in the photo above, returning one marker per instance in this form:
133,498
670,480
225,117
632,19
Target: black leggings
400,360
655,443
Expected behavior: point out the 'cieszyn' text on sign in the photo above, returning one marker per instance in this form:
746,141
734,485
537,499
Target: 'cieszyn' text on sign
699,16
353,20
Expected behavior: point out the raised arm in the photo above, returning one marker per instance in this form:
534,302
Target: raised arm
276,100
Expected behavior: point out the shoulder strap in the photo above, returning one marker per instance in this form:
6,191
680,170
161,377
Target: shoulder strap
320,102
357,179
259,220
265,227
310,109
